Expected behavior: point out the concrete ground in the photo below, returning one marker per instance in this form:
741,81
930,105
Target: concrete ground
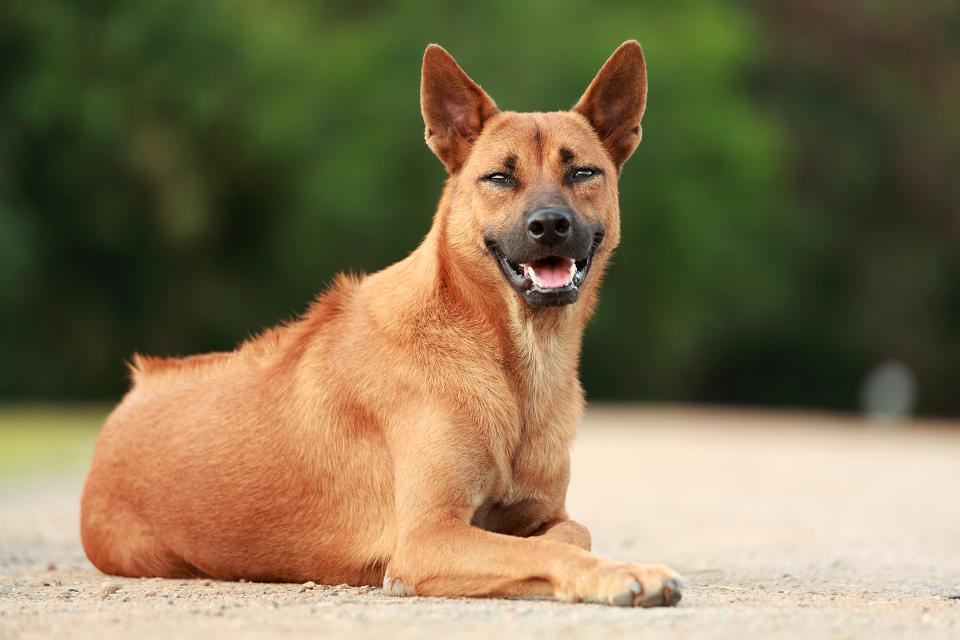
784,525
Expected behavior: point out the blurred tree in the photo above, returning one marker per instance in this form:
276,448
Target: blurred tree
175,175
869,93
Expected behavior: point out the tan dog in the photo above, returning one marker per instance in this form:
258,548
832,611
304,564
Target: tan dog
412,429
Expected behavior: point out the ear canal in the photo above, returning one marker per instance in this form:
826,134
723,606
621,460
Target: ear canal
615,101
454,107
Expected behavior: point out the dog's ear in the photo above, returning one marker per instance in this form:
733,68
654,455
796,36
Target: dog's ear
454,107
615,100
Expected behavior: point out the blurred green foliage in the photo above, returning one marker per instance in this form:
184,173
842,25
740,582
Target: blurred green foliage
35,439
175,175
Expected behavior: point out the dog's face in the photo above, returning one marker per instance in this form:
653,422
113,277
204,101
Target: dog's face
534,195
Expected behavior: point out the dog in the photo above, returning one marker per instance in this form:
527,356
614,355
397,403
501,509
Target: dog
411,429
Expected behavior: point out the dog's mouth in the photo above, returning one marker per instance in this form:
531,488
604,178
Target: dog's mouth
549,281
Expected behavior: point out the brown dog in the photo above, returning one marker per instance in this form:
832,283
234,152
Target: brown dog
412,429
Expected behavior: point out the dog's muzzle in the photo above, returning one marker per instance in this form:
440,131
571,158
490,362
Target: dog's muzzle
546,259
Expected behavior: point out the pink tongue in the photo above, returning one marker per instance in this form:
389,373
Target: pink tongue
554,272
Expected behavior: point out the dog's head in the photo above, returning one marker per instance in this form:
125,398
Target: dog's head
533,198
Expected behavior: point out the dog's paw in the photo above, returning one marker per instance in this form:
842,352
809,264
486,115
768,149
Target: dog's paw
644,585
395,587
630,585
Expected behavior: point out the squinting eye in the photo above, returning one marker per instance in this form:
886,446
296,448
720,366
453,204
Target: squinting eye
579,175
500,178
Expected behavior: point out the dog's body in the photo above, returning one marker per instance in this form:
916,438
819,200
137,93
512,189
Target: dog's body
412,429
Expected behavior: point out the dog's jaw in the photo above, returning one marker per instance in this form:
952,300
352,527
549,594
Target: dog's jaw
542,282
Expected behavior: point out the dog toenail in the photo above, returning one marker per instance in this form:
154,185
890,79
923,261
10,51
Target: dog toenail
672,591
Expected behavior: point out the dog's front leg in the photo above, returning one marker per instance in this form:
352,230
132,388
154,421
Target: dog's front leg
565,531
448,557
438,553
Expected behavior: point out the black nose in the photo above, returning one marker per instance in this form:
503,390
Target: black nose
549,226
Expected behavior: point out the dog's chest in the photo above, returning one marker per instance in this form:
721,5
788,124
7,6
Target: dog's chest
546,364
527,486
514,510
529,489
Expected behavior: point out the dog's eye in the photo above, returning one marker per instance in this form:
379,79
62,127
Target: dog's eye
583,173
500,178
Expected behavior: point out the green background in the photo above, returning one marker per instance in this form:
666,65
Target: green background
176,175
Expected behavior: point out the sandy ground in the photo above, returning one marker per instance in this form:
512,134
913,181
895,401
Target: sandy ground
783,525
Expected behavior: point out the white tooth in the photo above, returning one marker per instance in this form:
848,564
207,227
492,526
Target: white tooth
533,276
573,271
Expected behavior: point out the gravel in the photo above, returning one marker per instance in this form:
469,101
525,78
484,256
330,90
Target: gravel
783,525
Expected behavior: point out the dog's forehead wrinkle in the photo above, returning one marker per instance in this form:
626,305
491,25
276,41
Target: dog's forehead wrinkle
542,143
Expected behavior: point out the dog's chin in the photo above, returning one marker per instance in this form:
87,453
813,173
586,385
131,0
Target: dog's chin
551,281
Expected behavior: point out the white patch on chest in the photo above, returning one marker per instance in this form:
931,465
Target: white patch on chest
547,367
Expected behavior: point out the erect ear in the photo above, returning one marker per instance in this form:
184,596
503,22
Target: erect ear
615,100
454,107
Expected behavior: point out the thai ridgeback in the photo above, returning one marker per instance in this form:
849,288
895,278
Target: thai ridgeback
412,429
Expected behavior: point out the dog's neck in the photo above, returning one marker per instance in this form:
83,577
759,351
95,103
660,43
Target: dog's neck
538,349
540,339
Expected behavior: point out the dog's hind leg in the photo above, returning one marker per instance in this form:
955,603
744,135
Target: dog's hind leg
117,541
